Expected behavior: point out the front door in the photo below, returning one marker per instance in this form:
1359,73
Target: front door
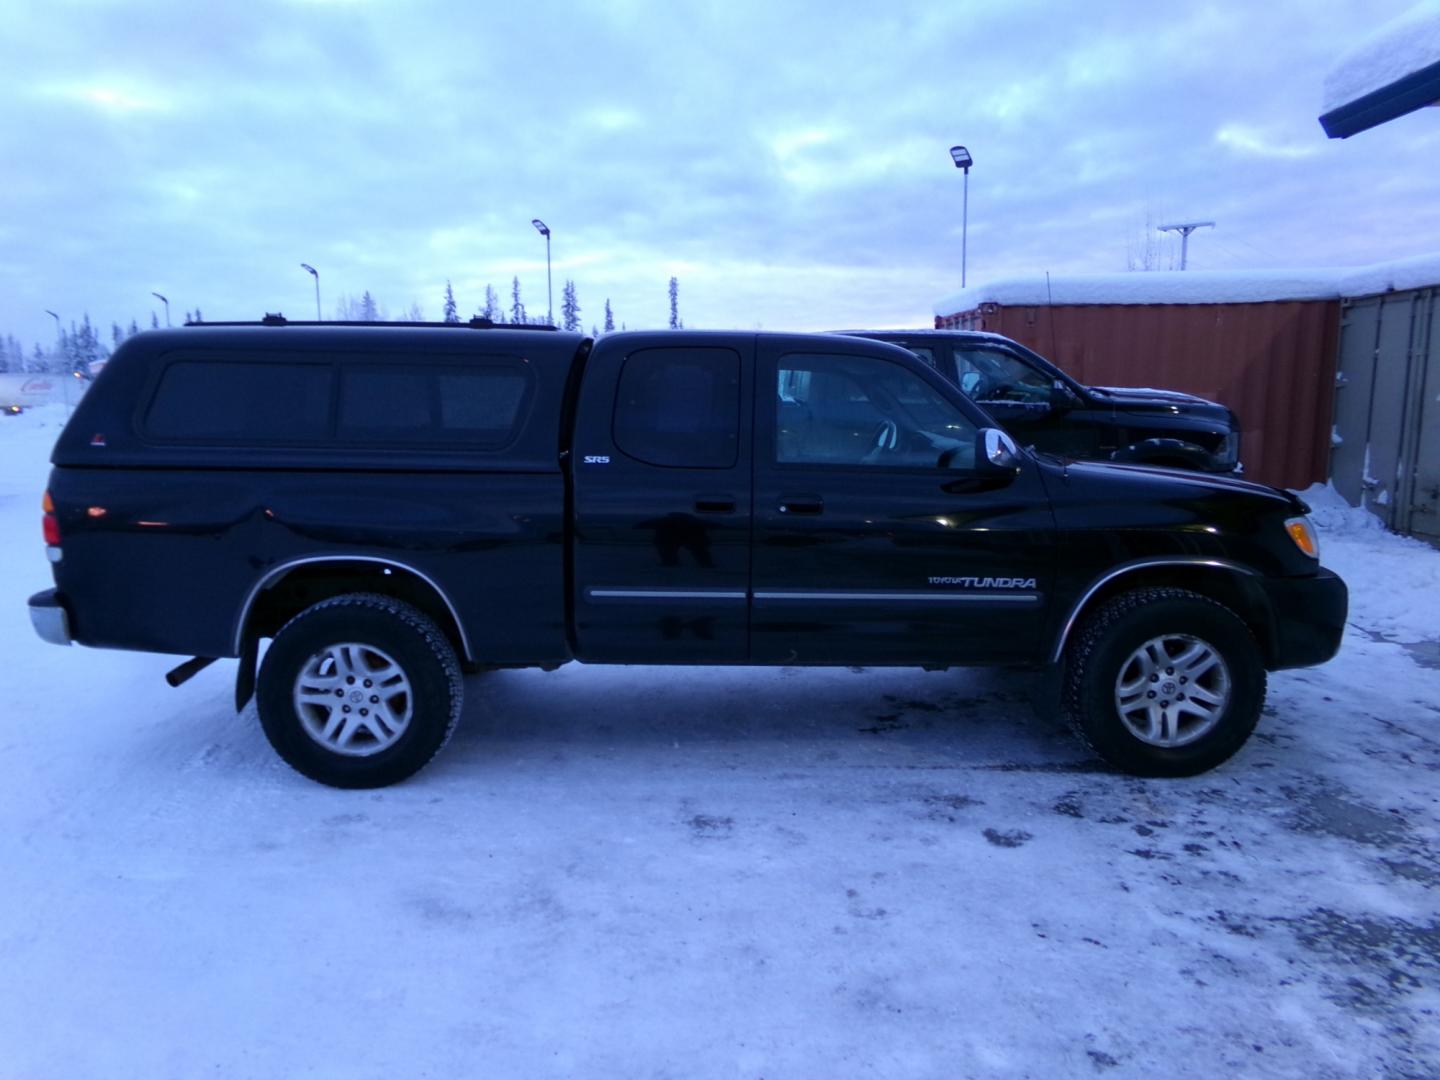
876,540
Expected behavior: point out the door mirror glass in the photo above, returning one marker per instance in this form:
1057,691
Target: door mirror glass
997,452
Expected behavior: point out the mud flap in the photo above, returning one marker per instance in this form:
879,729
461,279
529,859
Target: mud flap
245,673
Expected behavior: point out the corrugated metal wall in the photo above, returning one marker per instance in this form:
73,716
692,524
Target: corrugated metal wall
1387,409
1273,363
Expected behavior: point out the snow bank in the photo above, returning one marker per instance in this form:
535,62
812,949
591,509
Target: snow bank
1400,47
1199,286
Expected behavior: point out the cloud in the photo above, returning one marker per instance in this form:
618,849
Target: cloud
1253,141
792,158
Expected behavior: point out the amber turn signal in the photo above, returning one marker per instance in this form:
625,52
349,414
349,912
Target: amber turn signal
1303,533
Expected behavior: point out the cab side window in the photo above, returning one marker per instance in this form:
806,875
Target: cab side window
860,411
996,377
679,408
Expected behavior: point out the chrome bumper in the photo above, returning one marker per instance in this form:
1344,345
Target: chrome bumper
49,618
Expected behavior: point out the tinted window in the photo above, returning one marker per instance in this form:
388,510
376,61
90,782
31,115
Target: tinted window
849,410
414,404
216,400
679,407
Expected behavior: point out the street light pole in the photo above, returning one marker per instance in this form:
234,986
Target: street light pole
963,160
316,275
1185,229
58,335
549,291
167,306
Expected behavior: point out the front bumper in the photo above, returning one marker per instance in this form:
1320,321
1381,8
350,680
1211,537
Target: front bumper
1309,618
49,617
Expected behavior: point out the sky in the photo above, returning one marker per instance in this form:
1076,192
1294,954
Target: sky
787,162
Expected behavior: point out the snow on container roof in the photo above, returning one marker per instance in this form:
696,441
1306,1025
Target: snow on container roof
1151,287
1391,72
1199,286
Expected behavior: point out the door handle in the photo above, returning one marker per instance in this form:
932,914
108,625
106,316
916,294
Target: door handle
714,504
802,504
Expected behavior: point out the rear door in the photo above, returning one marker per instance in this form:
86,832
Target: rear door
876,541
662,499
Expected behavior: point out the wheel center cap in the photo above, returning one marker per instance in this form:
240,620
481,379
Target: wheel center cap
1169,687
356,696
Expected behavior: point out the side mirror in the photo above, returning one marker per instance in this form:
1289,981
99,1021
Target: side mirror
996,452
1060,396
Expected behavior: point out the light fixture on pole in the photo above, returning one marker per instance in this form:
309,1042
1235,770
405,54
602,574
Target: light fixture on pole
316,275
549,292
167,306
963,160
1185,229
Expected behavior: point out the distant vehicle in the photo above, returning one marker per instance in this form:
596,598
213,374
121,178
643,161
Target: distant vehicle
390,504
1043,407
21,391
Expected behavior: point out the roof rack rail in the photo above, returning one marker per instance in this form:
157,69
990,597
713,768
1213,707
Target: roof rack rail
475,323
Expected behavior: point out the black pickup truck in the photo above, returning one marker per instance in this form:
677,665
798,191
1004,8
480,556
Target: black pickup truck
1043,407
391,504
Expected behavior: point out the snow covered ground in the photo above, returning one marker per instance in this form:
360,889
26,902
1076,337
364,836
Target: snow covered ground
743,873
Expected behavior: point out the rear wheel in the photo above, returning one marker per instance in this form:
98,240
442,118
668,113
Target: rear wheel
359,691
1164,682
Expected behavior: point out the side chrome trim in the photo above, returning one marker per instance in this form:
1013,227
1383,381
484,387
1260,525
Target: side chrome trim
908,597
620,592
285,567
1144,564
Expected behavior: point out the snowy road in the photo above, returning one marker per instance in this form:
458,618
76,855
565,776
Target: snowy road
748,873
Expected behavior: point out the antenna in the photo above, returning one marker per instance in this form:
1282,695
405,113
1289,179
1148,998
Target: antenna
1050,310
1185,228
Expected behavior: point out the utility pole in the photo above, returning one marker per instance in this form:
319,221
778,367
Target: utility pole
1185,228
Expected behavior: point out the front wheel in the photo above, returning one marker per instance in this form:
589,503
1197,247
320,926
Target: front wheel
359,691
1164,682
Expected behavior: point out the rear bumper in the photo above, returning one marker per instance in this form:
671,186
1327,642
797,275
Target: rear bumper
49,617
1309,618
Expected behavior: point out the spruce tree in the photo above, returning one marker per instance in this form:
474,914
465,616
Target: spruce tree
492,305
116,334
609,317
675,323
569,306
154,321
369,312
452,314
517,309
134,329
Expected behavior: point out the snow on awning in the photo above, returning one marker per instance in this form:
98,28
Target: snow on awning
1391,72
1198,286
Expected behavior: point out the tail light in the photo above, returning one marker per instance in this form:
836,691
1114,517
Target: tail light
50,524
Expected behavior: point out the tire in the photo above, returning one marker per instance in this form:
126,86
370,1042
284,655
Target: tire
343,645
1164,682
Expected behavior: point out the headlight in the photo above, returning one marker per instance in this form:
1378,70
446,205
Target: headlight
1302,532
